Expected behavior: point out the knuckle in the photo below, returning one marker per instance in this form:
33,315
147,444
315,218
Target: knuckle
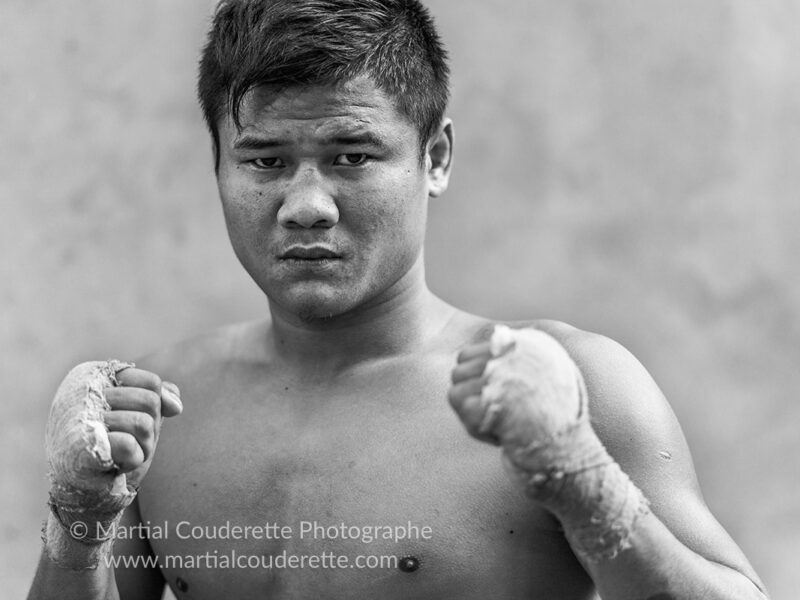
152,382
479,368
138,399
469,371
157,383
143,425
454,397
126,451
471,387
138,378
151,402
472,430
472,427
147,448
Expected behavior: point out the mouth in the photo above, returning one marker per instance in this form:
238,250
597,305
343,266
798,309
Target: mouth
309,254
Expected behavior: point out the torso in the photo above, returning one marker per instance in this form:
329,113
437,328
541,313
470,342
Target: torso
377,446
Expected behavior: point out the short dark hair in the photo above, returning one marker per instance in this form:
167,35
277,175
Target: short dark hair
324,42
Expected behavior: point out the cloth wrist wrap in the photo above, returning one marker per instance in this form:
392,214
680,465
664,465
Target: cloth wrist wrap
569,472
87,494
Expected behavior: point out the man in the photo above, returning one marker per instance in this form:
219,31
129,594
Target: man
317,456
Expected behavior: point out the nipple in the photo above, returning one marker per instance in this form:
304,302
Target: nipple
408,564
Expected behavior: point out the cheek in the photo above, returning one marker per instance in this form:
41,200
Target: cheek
394,206
244,206
394,234
389,229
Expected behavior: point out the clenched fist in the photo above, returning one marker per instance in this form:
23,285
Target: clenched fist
522,391
519,388
101,434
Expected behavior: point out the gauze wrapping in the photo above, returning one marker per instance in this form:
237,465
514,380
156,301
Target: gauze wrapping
536,405
87,494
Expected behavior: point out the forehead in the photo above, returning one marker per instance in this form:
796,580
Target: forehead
323,110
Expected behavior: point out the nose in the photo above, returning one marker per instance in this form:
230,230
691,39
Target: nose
307,203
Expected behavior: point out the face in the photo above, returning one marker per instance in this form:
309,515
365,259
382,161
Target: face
325,196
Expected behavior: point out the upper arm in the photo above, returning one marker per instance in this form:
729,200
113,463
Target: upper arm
639,429
136,582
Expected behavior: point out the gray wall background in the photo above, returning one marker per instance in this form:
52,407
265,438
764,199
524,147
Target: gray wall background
628,167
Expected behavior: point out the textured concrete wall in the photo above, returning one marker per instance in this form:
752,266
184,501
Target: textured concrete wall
629,167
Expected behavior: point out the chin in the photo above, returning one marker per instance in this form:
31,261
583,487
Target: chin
318,313
313,314
315,305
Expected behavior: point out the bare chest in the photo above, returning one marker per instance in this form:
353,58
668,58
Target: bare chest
372,490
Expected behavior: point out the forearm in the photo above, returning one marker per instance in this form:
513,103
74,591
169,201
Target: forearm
628,551
534,404
655,565
54,580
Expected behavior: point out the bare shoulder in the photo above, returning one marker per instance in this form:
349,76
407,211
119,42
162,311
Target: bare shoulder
635,422
208,352
628,410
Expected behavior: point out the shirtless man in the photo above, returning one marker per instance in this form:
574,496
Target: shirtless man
331,417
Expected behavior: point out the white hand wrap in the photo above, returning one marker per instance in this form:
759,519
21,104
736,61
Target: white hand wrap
554,452
87,494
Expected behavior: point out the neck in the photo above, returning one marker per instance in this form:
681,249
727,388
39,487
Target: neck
402,320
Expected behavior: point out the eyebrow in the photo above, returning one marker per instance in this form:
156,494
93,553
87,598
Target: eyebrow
256,142
363,138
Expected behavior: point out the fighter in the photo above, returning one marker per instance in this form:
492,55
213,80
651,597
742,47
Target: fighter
540,461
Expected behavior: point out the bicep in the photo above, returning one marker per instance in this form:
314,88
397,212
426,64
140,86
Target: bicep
136,581
640,431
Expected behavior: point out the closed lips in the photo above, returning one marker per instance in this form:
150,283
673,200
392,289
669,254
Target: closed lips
309,253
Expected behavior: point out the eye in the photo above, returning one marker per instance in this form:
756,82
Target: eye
351,160
270,162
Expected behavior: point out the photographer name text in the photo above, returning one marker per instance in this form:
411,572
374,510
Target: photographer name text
303,530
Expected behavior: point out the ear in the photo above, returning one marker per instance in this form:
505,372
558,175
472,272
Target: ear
440,159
